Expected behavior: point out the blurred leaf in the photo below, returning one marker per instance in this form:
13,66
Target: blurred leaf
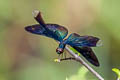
81,74
66,78
117,71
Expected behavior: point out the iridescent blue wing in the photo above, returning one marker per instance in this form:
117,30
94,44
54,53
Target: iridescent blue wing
88,54
84,41
54,31
58,32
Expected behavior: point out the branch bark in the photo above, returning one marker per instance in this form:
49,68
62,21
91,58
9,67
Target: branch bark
38,18
79,59
118,78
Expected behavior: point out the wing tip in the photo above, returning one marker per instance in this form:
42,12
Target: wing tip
94,61
99,43
97,64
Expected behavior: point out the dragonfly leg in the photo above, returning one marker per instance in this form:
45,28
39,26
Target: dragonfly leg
62,55
65,54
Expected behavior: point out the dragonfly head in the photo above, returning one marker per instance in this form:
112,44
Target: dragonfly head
59,50
61,47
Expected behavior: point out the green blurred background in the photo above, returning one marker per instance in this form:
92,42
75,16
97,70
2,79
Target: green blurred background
25,56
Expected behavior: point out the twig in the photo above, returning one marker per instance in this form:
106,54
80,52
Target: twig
79,59
70,58
38,18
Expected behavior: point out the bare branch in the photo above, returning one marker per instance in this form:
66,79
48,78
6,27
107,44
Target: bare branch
118,78
70,58
79,59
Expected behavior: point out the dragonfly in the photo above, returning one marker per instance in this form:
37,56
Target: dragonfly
82,44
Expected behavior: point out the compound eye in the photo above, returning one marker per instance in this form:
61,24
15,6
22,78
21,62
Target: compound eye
59,50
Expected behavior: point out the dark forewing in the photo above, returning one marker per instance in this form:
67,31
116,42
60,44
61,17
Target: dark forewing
54,31
84,41
88,54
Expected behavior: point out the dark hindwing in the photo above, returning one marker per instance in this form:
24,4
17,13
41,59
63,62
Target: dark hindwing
88,54
83,41
54,31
